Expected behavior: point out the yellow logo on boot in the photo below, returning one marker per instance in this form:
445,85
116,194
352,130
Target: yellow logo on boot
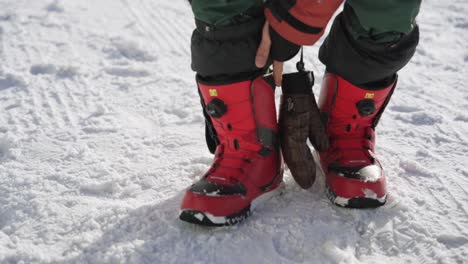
369,95
213,92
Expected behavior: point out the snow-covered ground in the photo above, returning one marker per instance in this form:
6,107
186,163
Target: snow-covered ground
101,131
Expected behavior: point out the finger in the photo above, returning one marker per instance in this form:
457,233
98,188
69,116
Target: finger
317,132
278,72
264,47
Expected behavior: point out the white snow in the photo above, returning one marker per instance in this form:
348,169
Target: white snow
371,194
371,173
101,132
341,201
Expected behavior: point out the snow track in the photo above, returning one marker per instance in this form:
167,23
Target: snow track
101,131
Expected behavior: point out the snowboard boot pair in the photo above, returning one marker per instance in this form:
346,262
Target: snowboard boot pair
248,166
354,175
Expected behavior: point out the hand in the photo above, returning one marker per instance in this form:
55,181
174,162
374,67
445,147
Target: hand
264,51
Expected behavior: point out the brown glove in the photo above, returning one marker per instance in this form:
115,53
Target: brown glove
299,120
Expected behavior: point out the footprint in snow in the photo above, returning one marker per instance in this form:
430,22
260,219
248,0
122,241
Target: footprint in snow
56,6
63,72
420,119
9,81
462,118
128,49
126,72
404,109
452,241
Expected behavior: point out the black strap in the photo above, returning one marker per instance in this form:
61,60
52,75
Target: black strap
282,14
300,65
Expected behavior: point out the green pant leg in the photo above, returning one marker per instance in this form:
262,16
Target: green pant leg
380,19
366,52
222,12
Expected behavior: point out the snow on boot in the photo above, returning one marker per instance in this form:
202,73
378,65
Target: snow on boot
354,175
247,165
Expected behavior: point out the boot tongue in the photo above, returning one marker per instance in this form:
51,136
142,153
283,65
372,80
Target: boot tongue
229,163
355,158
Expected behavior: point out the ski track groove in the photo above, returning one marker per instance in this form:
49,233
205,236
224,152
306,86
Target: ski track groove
66,100
141,19
442,204
49,94
37,104
78,89
158,22
162,46
83,93
449,187
450,194
439,200
66,89
28,60
2,48
449,131
71,102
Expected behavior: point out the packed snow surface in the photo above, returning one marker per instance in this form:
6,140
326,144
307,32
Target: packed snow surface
101,131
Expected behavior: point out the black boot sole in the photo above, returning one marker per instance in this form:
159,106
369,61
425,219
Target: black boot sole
204,219
355,202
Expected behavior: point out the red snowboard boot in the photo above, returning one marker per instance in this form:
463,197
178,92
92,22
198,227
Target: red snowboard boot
247,165
354,175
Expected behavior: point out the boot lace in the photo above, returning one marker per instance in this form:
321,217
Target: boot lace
234,154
